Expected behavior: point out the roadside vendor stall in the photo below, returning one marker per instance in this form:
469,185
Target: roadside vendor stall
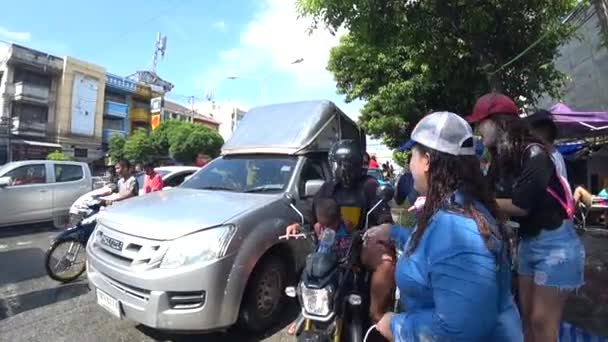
583,141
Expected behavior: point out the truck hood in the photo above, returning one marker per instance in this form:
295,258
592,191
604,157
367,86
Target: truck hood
167,215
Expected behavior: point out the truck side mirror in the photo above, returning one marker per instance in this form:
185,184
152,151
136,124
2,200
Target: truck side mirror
311,187
385,192
5,181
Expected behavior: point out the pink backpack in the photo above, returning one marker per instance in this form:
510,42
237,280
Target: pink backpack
568,202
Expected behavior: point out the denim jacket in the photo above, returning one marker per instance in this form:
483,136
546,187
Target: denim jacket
453,287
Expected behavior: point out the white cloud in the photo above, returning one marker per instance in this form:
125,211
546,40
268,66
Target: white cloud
14,35
271,41
219,25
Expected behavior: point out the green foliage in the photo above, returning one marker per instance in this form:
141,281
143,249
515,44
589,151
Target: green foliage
409,58
57,155
401,158
189,139
180,140
116,145
139,147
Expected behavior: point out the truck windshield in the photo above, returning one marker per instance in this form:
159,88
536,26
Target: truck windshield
244,174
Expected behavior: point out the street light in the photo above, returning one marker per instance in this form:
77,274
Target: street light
261,80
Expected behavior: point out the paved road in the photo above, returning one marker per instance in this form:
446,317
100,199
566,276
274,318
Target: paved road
36,308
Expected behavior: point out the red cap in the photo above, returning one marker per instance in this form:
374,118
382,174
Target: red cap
492,103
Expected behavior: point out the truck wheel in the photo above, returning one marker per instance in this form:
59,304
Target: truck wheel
264,296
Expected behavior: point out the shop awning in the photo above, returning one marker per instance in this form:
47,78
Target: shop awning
35,143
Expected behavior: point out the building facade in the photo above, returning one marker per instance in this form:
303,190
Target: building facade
117,104
80,108
228,115
175,111
584,58
29,82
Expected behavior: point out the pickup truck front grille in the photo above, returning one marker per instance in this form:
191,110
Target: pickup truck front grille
127,251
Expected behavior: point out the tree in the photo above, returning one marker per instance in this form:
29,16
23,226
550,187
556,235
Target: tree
57,155
409,58
401,158
189,139
139,147
116,145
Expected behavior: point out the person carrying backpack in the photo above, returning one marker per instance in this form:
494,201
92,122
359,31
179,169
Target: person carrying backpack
551,257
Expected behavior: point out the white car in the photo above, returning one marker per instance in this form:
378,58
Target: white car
172,176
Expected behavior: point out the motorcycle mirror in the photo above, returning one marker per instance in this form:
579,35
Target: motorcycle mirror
290,199
385,192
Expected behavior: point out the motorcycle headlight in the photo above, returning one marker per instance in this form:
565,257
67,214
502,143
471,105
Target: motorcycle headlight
316,301
210,244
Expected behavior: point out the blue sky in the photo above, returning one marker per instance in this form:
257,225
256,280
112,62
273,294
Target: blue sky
207,42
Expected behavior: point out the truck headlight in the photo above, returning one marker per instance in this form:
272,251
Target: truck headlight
209,244
316,301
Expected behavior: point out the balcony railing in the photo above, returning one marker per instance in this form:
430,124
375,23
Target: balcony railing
107,133
31,128
31,92
117,82
116,109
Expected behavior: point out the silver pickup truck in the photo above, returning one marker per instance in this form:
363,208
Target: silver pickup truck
206,255
34,191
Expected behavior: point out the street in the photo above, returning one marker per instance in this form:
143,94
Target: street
35,308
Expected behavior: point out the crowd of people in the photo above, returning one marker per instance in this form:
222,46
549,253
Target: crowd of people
456,267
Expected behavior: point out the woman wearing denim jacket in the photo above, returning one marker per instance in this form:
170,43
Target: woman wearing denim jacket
550,257
454,274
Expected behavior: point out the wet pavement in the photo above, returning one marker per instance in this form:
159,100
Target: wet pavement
35,308
588,308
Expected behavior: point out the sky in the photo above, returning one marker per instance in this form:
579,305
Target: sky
207,42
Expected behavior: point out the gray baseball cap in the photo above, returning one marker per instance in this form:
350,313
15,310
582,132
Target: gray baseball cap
445,132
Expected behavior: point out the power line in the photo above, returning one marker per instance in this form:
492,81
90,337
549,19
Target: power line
530,47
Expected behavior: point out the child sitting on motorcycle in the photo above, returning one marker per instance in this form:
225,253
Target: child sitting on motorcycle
328,217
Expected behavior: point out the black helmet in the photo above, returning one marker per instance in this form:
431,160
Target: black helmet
346,161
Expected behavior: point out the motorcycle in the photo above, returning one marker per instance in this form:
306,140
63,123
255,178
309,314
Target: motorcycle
61,260
334,293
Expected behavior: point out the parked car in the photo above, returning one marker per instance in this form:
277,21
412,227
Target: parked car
207,254
377,173
35,191
172,176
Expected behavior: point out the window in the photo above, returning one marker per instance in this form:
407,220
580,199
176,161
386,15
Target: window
81,152
28,174
30,113
312,170
177,179
252,174
68,173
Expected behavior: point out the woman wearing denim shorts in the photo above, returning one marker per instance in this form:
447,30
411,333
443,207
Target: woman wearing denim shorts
551,257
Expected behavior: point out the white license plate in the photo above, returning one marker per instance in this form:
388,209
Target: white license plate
108,303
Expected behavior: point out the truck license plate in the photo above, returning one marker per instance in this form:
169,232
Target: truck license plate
108,303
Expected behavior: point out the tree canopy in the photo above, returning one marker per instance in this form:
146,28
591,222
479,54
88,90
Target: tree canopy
409,58
180,140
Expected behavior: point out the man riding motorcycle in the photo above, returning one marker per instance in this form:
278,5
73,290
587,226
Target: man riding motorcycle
355,193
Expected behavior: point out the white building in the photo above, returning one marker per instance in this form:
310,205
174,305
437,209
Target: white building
228,114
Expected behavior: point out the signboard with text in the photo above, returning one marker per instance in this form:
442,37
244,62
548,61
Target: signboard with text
156,105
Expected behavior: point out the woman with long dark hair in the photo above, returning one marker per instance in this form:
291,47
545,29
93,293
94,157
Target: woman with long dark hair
551,256
454,275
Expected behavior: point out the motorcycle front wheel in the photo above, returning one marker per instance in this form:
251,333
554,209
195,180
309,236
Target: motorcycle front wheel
65,260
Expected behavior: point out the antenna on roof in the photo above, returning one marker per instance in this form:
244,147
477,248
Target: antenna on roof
160,47
209,94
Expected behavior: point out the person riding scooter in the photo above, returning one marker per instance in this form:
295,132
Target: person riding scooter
355,193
